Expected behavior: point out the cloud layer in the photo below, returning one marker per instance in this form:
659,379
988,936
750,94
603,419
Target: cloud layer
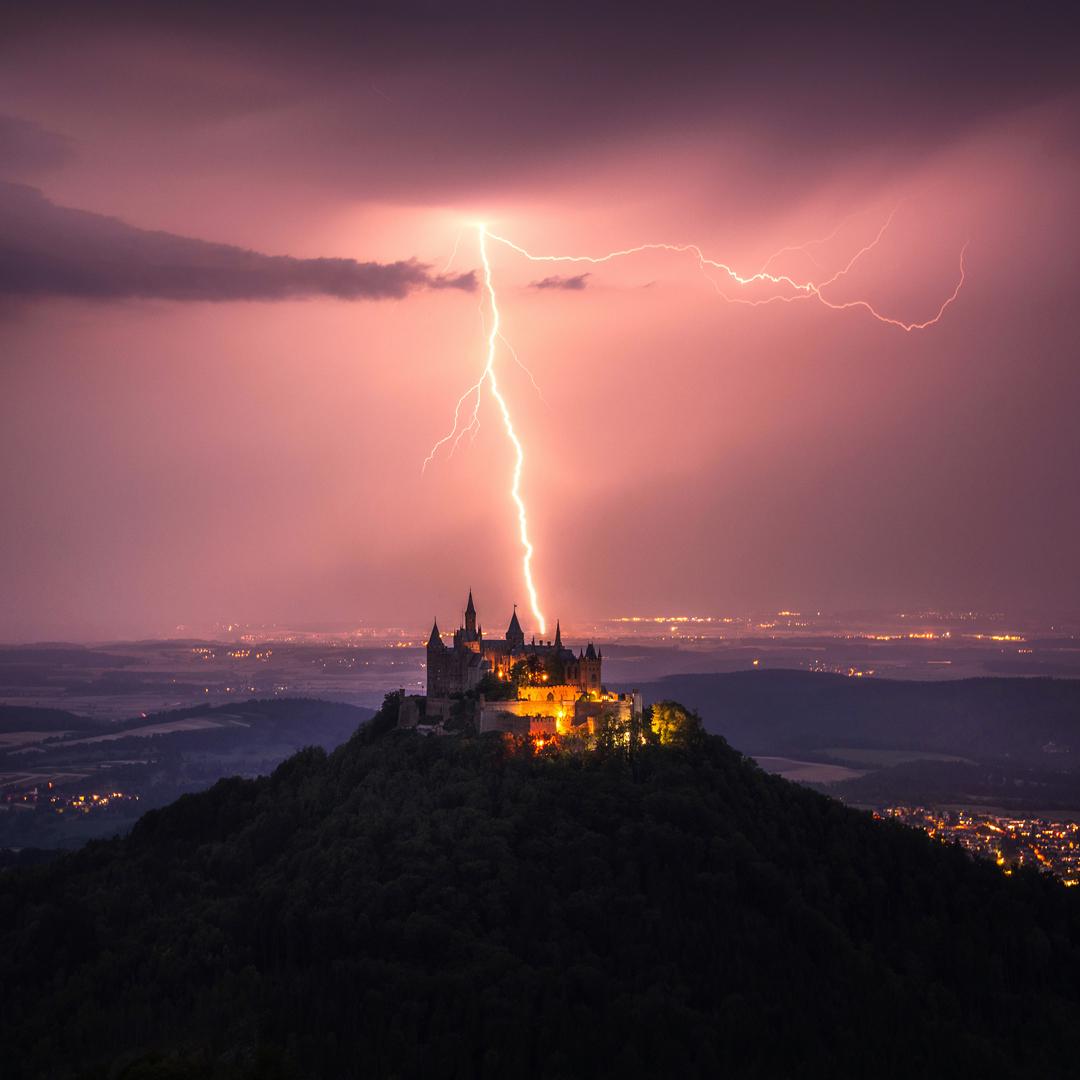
49,250
27,148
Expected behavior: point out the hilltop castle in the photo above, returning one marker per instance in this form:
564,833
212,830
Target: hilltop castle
537,688
459,668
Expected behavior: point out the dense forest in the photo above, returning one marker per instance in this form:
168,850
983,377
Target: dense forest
464,907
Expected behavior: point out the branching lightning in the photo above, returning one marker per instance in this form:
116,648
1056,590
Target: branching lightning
798,290
789,289
517,360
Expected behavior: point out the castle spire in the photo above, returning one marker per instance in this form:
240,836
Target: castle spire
514,634
558,635
470,618
435,641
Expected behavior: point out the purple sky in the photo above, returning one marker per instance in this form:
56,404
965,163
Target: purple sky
231,329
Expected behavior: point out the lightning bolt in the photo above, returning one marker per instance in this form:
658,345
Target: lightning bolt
488,378
453,253
804,248
791,290
519,462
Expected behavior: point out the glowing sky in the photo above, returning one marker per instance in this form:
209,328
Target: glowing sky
191,430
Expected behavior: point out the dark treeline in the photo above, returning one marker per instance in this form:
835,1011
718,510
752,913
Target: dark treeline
460,907
26,718
1002,785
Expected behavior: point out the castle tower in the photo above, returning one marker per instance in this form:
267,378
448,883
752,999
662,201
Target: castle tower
515,636
436,662
469,636
590,670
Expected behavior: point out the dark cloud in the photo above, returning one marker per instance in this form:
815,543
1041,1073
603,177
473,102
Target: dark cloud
557,281
50,250
27,148
814,87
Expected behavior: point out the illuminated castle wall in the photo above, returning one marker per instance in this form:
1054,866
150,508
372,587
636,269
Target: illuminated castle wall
555,714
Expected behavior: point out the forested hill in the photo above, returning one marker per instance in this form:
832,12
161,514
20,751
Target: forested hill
453,907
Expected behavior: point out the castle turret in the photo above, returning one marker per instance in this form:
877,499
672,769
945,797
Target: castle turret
589,667
470,617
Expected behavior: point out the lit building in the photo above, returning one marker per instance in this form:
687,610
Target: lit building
555,690
458,668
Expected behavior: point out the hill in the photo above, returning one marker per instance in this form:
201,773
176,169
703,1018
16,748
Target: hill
461,907
795,712
1011,743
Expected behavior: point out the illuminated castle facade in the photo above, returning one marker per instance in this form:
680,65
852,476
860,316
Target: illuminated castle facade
555,690
459,668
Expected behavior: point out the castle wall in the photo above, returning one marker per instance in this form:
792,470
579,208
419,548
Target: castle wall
452,672
563,692
559,717
519,717
505,722
412,711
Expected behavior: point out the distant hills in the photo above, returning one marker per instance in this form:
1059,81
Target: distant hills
1009,743
794,712
458,907
49,757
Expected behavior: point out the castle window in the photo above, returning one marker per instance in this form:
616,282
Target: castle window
551,697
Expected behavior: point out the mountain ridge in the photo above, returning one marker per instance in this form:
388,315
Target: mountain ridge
791,711
410,906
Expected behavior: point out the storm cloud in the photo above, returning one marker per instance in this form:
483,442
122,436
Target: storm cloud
50,250
183,462
27,148
558,281
328,98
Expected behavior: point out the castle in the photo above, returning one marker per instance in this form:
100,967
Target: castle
540,688
458,669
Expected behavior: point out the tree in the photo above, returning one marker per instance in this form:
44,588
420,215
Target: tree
495,689
672,723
